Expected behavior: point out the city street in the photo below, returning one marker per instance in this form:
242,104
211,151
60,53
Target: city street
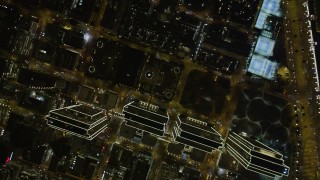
301,64
303,91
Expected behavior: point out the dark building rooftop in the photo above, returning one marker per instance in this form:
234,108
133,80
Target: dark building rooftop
105,58
217,61
160,78
149,29
113,14
129,67
127,131
105,100
202,94
22,133
272,25
89,169
175,148
115,155
225,162
35,154
196,5
6,150
61,147
141,170
166,4
36,101
84,166
67,59
53,32
59,6
184,37
36,80
6,36
45,51
244,12
188,21
78,166
86,93
28,24
189,173
21,43
9,89
109,100
167,172
83,10
9,15
126,164
197,155
73,38
127,158
227,38
2,67
67,87
14,118
149,140
141,4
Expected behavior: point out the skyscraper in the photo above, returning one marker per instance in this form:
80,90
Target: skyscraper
197,134
255,156
80,120
146,117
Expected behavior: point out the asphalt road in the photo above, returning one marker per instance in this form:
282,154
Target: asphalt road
303,83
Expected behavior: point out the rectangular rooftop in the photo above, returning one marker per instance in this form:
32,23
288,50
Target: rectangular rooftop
196,133
146,117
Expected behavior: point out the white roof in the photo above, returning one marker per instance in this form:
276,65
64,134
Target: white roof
261,20
272,7
264,46
262,67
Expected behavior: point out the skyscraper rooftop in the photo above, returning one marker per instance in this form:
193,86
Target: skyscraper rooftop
80,120
146,117
197,134
255,156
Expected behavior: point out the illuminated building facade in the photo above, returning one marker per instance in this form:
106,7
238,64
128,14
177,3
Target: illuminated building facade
255,156
197,134
146,117
80,120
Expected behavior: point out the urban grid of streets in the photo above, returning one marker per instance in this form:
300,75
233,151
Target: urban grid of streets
302,77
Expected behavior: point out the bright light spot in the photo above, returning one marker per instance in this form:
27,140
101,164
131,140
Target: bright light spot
86,37
67,27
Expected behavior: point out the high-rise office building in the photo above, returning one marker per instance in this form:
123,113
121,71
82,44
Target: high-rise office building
80,120
197,134
146,117
255,156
